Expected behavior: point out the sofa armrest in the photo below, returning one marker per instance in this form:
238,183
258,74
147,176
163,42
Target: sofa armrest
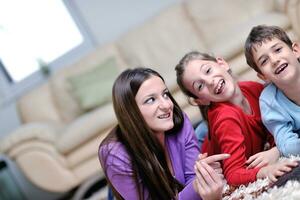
29,132
46,171
86,127
293,11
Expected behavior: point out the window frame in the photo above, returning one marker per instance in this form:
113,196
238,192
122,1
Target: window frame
13,90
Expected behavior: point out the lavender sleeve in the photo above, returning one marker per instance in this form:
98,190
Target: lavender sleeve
188,149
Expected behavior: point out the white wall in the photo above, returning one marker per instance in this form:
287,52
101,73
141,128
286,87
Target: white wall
108,19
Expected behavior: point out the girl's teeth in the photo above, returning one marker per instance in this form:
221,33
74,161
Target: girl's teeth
219,86
163,116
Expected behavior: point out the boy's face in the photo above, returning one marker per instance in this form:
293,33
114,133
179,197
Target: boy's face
277,62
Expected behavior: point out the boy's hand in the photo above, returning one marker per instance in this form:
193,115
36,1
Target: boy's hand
263,158
276,170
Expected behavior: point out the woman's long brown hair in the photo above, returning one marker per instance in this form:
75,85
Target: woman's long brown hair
147,155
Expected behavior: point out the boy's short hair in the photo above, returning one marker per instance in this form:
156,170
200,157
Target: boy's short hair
260,34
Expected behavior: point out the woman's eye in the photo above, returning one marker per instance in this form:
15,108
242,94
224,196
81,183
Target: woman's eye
166,95
149,100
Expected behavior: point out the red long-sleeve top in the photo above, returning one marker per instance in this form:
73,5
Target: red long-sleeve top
239,134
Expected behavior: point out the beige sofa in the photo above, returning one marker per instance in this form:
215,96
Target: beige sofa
56,147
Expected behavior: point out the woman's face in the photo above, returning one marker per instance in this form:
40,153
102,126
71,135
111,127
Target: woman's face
209,80
155,105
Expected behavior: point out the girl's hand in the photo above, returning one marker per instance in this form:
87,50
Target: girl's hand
214,161
209,179
263,158
208,183
276,170
202,156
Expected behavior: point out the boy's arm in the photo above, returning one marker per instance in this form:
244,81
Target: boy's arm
279,123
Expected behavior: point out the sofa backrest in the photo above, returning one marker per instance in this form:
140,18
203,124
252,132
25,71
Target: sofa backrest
160,42
65,100
225,27
213,18
38,105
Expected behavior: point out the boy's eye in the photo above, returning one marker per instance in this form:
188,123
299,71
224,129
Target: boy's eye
278,49
263,62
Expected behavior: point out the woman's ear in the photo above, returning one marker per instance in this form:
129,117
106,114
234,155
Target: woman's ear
202,101
222,63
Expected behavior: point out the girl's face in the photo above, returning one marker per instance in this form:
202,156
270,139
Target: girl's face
209,81
155,105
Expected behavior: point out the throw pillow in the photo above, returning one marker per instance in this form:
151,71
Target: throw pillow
93,88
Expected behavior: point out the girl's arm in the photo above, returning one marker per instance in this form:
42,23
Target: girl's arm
228,133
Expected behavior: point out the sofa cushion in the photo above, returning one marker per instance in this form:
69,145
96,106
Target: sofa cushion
232,41
161,42
223,15
87,151
86,127
67,105
38,105
31,131
93,88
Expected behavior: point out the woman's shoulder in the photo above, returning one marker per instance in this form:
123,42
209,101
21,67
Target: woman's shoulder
187,124
185,129
113,152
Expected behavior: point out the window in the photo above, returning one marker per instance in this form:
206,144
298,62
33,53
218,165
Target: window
34,32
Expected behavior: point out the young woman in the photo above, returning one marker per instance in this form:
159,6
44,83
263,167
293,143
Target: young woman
232,111
151,153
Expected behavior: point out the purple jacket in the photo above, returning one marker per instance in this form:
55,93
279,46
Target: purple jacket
183,150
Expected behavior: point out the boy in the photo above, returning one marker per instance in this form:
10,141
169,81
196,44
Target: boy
270,52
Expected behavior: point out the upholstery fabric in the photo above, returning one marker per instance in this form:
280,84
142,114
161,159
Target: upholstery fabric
161,42
61,89
86,127
209,24
93,88
42,98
